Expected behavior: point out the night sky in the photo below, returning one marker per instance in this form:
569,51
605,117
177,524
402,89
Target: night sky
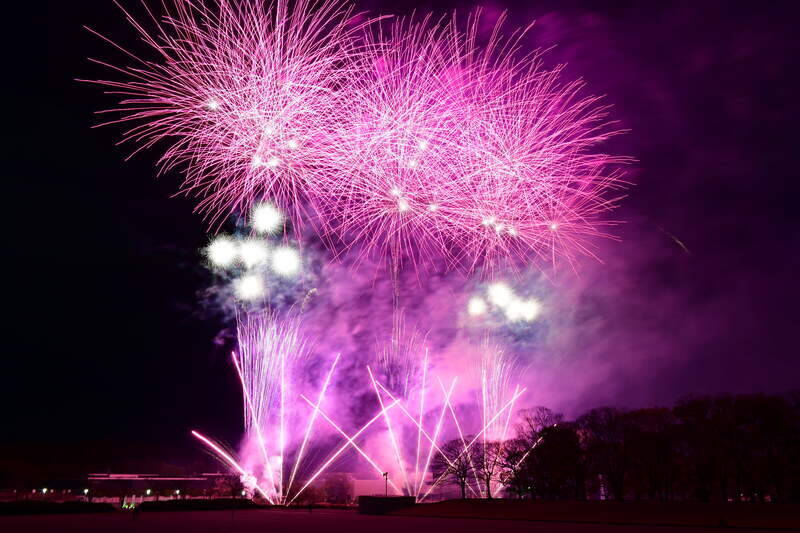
106,342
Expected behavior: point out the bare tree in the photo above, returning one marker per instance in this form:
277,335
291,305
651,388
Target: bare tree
514,471
534,420
487,461
453,465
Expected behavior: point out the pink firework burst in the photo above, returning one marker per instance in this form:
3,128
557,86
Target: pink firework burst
473,153
242,94
411,139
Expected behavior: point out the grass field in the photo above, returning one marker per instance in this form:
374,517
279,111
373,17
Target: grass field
649,513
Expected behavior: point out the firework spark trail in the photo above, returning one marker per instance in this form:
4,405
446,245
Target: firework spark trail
267,361
464,445
364,454
410,138
421,429
447,395
230,460
496,370
342,448
399,358
525,455
503,438
392,438
417,480
466,450
495,373
315,412
254,422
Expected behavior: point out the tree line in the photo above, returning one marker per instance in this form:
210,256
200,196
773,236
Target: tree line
708,449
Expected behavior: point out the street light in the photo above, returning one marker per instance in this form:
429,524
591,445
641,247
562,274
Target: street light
147,492
85,491
386,478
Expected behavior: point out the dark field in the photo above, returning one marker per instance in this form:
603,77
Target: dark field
630,513
300,522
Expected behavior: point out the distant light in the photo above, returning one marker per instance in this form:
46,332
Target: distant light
222,251
249,287
253,252
148,491
86,491
285,261
477,306
266,218
244,492
212,105
177,491
44,491
500,294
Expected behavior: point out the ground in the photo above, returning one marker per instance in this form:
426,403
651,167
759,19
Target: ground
278,521
764,515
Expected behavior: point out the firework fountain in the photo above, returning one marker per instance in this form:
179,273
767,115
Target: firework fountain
412,143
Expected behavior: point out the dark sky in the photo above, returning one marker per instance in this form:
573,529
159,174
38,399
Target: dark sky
104,341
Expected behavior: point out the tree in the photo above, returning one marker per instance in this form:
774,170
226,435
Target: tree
514,473
487,461
602,433
651,447
453,465
534,420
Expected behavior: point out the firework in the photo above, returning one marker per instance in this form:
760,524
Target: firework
240,93
285,261
256,269
401,360
500,297
413,434
222,252
412,139
472,154
249,287
269,363
266,218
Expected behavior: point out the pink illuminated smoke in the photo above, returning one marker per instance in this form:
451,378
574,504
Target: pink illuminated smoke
413,139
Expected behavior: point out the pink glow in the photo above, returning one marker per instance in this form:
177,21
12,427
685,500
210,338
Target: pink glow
342,448
352,443
315,411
